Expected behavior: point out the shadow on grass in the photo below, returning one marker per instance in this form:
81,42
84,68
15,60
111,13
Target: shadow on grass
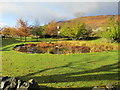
7,44
9,41
55,39
47,40
87,75
52,88
93,38
8,48
89,38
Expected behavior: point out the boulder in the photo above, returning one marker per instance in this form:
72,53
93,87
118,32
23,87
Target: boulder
104,87
12,83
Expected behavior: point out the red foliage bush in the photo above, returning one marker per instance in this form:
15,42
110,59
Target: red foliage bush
63,48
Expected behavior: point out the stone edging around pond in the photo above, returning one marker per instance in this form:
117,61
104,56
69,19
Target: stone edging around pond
104,87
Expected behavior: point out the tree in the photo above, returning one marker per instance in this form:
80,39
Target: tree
51,29
75,30
110,30
43,28
13,32
24,29
6,31
9,31
20,32
37,30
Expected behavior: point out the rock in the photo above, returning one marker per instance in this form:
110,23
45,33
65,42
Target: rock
24,86
18,83
17,48
33,85
110,87
104,87
2,85
98,88
11,83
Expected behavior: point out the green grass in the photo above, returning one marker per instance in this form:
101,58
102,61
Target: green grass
30,39
61,71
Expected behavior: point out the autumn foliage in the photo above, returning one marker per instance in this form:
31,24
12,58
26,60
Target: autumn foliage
9,31
79,28
23,30
65,47
51,29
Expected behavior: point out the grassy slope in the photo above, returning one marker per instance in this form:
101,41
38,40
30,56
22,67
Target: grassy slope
72,70
92,21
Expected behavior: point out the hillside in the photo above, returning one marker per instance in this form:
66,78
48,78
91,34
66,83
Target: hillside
92,21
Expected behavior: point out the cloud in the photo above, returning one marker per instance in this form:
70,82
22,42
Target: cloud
2,25
60,0
47,11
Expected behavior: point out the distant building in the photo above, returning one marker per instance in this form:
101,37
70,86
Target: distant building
58,32
97,29
58,27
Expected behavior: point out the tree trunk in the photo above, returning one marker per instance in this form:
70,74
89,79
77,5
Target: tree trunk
52,36
37,38
25,38
21,38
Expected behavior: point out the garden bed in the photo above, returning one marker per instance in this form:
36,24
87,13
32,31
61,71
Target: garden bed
62,48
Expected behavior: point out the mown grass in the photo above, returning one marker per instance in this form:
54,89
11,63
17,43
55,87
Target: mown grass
61,71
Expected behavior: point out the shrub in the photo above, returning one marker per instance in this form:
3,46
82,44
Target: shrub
110,31
65,47
75,30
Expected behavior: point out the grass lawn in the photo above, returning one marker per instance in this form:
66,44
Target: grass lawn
61,71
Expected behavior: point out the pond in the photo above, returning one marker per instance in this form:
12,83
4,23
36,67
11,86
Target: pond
53,48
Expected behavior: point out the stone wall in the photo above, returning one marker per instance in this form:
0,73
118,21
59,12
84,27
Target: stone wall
12,83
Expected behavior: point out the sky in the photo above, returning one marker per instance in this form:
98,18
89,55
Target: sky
44,12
